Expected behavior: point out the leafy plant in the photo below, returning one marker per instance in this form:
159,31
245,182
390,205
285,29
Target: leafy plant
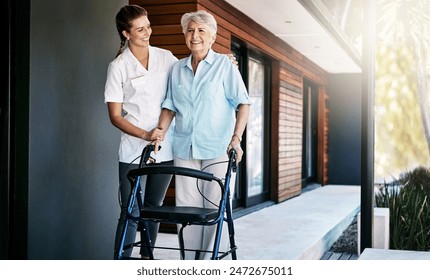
419,177
409,205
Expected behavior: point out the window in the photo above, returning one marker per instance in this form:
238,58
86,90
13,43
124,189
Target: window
252,185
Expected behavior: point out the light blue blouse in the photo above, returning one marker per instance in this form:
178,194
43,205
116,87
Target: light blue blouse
205,105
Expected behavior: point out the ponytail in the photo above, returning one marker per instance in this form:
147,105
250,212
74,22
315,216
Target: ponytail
120,48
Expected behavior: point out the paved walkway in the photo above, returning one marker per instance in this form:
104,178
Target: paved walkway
303,227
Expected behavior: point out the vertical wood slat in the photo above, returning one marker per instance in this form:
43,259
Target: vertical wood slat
290,123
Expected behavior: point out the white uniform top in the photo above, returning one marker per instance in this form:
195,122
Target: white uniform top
141,93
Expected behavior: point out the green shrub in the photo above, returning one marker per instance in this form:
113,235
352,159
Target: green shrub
417,178
409,205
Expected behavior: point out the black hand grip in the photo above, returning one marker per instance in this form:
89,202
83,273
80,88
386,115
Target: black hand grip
146,154
232,160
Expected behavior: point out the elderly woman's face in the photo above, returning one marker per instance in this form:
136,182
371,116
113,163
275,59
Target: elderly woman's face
198,37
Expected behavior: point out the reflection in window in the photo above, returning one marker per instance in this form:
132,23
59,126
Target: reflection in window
255,131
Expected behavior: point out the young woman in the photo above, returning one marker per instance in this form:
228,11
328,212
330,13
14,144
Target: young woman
136,85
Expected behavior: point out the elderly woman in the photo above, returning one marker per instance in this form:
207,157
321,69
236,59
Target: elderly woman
209,101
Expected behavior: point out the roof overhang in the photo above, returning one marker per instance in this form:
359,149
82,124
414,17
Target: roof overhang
307,27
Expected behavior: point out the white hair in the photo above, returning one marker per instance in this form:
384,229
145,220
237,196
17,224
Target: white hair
201,17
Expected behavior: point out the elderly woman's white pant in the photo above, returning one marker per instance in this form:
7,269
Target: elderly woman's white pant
186,193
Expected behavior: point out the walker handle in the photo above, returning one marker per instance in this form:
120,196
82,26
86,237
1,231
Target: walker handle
146,155
232,160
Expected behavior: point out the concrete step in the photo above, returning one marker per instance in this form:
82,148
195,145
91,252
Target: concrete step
384,254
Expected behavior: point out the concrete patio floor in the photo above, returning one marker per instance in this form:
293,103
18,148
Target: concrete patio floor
301,228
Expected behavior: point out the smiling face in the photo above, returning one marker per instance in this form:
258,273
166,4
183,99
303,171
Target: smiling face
140,32
198,37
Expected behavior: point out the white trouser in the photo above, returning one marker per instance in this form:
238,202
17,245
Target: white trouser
186,193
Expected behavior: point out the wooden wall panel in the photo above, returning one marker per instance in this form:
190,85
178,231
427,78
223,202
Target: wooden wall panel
158,40
165,17
167,29
290,132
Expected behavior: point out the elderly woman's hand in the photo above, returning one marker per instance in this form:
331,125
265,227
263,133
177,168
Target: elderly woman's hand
235,144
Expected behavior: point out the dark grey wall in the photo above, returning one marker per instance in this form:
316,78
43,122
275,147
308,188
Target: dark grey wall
345,129
73,180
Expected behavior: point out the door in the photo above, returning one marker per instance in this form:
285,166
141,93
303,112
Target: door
252,186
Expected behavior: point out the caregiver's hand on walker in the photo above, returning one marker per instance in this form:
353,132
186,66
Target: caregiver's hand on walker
157,136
